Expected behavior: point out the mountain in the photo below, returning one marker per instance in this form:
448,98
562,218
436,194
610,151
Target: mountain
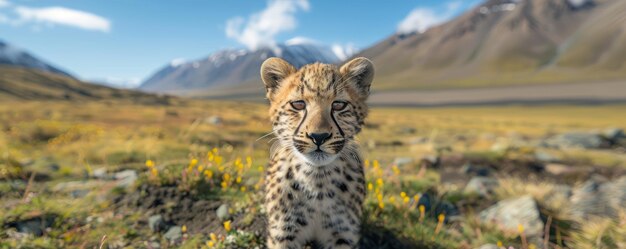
509,42
13,56
230,69
32,84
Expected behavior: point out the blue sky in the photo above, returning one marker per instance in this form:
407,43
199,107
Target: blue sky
122,40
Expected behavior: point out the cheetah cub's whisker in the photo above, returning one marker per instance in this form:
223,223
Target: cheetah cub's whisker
315,183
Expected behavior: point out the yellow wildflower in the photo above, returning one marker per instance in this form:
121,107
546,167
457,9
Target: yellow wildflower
149,163
243,188
210,244
441,217
392,199
381,205
226,177
238,179
406,200
184,229
208,173
370,186
224,185
520,228
395,169
227,226
402,194
499,244
154,172
379,182
193,163
213,237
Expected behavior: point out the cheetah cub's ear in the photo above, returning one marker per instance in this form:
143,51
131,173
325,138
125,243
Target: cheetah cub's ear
359,73
273,72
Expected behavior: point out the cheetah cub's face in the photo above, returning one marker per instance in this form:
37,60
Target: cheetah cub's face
317,110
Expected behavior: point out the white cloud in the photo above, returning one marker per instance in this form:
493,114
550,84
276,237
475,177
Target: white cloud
344,52
61,16
177,62
262,27
421,19
579,3
4,3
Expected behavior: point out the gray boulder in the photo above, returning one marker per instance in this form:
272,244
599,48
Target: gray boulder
222,212
174,234
126,178
156,223
614,134
598,197
483,186
577,140
488,246
509,214
401,161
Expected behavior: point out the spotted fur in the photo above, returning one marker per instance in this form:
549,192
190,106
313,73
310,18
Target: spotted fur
315,189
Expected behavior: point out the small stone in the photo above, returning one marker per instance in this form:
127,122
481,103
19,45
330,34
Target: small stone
156,223
99,173
126,178
222,212
614,134
546,157
174,234
488,246
577,140
471,169
511,213
401,161
430,161
483,186
214,120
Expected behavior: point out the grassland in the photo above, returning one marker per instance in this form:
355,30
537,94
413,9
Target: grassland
54,156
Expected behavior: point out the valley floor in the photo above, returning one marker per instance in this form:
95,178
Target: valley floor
189,174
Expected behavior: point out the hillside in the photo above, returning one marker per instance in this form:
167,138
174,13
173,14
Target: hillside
13,56
33,84
509,42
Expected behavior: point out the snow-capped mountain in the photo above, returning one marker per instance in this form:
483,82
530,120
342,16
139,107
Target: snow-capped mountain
506,42
13,56
234,68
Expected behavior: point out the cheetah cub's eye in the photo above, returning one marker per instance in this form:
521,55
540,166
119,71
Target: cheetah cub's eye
298,105
339,105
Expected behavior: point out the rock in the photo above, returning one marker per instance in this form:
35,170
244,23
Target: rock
545,157
126,178
34,225
99,173
598,197
401,161
483,186
577,140
614,134
448,209
153,245
488,246
430,161
214,120
156,223
478,170
222,212
558,169
426,201
174,234
509,214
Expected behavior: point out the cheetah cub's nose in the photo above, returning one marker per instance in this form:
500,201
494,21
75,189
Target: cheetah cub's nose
319,138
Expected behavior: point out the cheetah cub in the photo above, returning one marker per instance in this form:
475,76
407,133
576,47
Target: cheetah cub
315,183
